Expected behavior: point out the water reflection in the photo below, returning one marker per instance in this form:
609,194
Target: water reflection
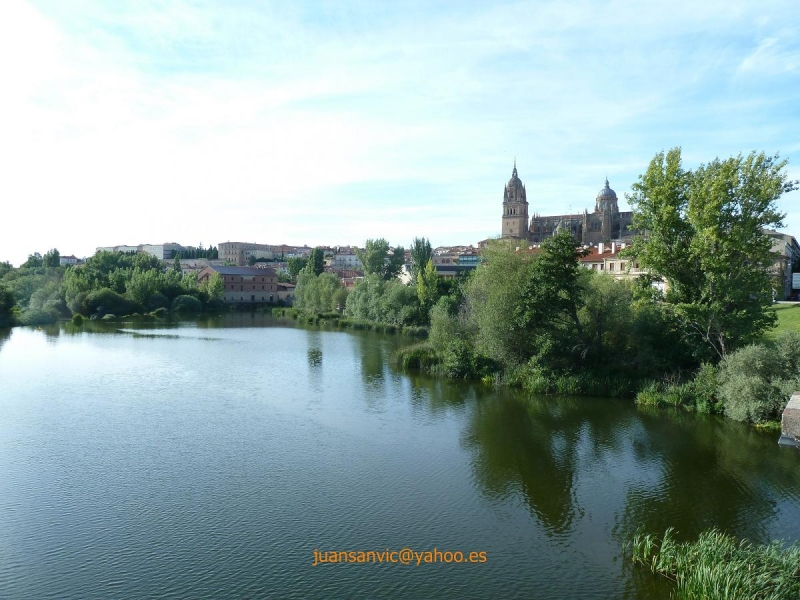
314,358
712,473
438,397
373,358
527,448
5,335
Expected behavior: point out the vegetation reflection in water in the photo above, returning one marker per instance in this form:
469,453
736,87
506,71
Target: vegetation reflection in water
560,484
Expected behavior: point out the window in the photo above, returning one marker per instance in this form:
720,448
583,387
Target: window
610,266
252,298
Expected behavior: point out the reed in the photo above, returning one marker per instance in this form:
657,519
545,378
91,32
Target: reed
718,565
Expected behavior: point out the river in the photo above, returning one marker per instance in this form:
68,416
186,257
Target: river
212,459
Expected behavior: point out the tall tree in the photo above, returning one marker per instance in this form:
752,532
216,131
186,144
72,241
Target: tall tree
421,253
551,299
296,264
427,287
377,259
702,233
52,258
316,262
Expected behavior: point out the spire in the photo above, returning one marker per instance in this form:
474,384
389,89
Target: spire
514,172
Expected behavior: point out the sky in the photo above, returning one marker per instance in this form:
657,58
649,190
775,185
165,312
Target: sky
327,123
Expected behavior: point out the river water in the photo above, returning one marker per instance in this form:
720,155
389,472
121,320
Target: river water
211,460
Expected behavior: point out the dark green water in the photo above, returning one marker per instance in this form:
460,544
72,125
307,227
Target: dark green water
210,460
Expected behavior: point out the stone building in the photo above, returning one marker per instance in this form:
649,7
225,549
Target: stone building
604,224
244,285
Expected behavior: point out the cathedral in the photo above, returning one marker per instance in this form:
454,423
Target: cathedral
605,224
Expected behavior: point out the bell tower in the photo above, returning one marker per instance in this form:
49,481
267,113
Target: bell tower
515,208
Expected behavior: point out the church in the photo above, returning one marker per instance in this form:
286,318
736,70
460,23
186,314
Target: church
605,224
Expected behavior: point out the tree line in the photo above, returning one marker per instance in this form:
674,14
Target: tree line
109,283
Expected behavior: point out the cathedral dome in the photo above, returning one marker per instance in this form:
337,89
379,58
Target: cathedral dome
606,200
606,193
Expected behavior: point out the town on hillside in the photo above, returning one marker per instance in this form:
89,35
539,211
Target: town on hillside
256,273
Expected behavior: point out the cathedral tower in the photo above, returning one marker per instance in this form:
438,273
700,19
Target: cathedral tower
515,208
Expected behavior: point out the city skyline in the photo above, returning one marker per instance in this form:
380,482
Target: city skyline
330,124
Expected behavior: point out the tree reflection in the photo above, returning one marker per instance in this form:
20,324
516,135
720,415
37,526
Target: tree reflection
527,446
713,473
5,335
436,396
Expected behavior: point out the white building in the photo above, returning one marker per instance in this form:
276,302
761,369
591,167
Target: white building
164,251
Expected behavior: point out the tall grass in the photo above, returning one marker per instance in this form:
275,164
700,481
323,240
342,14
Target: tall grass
585,383
719,566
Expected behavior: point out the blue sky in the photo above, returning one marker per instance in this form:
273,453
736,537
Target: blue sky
329,123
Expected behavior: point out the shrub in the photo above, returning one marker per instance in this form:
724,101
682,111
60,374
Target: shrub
419,356
755,381
77,319
705,389
649,395
415,330
157,300
43,316
105,300
186,304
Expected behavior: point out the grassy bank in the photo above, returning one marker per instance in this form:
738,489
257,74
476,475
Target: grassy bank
788,320
719,566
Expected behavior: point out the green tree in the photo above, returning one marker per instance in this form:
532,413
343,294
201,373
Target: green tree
296,264
491,295
213,287
52,258
377,260
34,260
316,263
421,253
6,307
176,264
427,287
315,293
702,233
382,301
551,299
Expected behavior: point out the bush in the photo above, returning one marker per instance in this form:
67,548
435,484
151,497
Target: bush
705,389
186,304
44,316
157,300
419,356
756,381
105,300
77,319
415,330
